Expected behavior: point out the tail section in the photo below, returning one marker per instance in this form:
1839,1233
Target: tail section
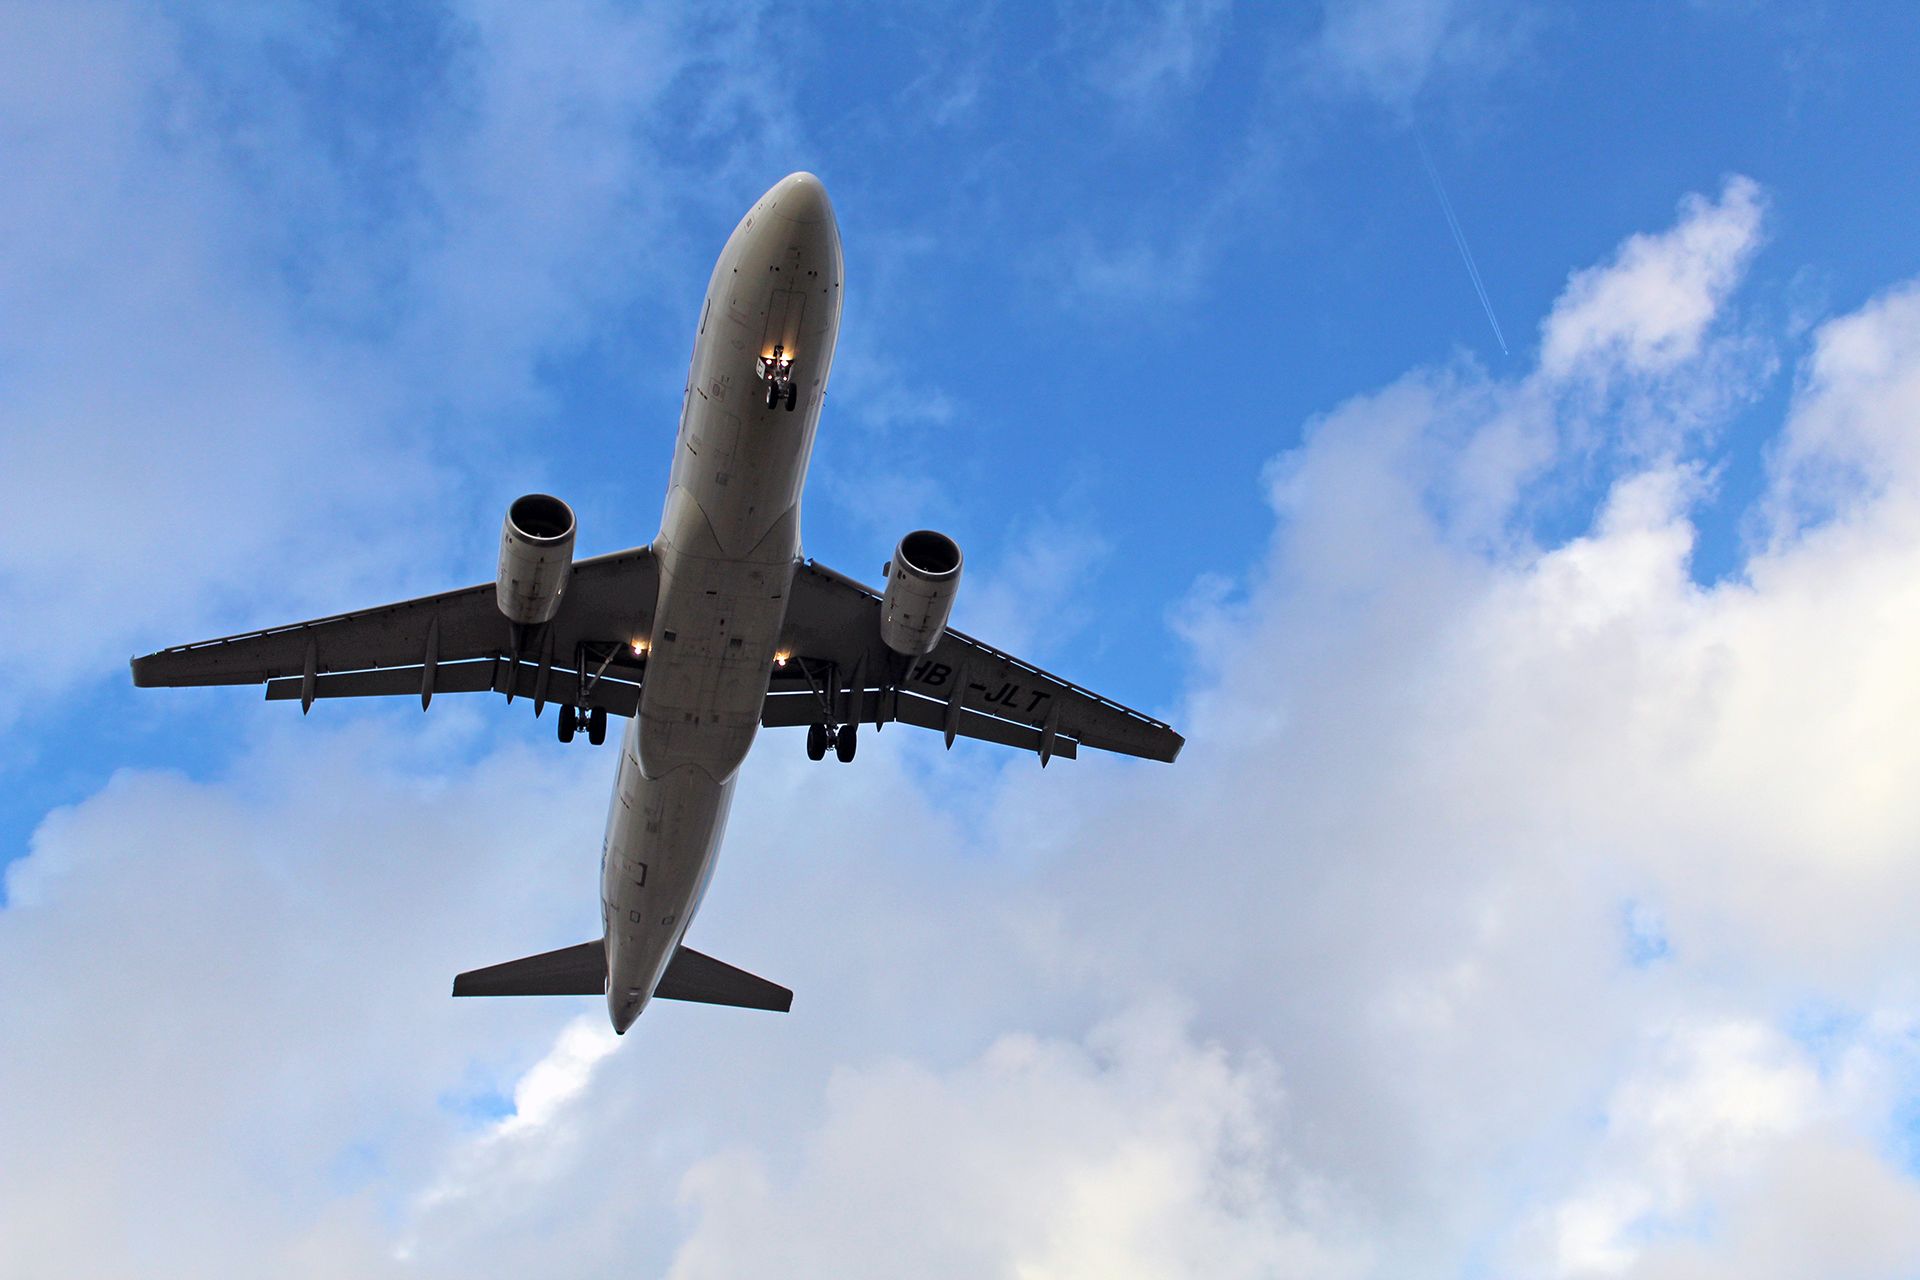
582,971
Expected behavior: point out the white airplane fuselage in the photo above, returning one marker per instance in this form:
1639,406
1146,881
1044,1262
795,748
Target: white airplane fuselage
729,540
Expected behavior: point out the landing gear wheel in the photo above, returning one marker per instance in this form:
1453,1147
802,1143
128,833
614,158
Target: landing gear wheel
845,741
773,394
568,723
816,742
793,395
597,726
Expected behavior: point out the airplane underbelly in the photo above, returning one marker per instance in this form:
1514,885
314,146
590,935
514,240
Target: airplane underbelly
726,552
662,835
715,631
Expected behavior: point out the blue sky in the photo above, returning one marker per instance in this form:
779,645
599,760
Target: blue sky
1080,239
1570,677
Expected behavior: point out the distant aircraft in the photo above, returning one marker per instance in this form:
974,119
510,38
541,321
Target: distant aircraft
718,628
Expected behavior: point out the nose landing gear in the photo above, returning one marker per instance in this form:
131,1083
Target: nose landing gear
777,369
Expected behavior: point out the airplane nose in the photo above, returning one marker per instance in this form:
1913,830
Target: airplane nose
801,197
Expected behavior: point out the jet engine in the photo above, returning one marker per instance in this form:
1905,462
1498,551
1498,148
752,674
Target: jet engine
536,557
921,580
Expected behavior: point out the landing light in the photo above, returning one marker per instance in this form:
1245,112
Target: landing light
639,648
780,658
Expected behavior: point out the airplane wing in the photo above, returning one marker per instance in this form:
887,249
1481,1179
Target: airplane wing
450,643
964,688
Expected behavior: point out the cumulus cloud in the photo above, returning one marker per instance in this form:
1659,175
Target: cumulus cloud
1136,1153
1648,309
1728,1154
1853,431
226,1002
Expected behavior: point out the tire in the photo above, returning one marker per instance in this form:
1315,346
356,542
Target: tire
845,741
597,726
773,394
793,395
816,742
568,723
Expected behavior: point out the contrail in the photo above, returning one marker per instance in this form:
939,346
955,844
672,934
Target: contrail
1460,238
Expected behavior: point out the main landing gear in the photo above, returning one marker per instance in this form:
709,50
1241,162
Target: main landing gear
573,719
844,739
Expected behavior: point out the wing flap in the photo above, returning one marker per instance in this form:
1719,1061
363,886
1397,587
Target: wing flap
481,675
786,710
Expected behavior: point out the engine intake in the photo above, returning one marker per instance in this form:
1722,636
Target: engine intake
536,558
922,578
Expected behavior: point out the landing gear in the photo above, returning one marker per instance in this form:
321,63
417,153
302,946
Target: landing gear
574,719
824,733
777,369
843,739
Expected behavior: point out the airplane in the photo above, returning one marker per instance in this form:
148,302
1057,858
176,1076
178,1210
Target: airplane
719,628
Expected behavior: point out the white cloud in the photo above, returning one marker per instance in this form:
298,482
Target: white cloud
1035,600
1389,51
227,1002
1137,1154
1727,1155
1090,270
1853,428
159,410
1648,309
530,1147
1148,52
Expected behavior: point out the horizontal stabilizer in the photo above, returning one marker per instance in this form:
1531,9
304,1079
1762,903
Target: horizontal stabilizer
570,971
582,971
704,980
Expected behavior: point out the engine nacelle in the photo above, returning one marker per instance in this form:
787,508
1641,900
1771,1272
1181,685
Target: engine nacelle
536,558
922,578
